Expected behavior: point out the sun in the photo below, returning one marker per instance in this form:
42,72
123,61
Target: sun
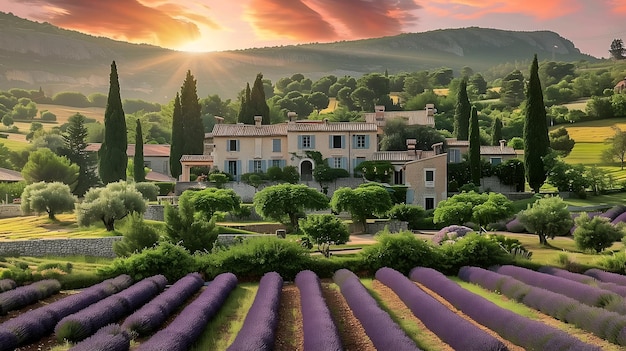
195,46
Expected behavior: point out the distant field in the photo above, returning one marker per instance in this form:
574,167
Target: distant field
577,105
63,113
15,145
593,131
332,105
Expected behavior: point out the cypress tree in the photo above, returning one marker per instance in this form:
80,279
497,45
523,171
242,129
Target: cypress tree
193,129
496,132
536,140
139,171
178,140
474,147
462,111
258,104
74,148
244,115
112,158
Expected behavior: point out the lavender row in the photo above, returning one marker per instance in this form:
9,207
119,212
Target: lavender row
384,333
586,294
608,325
149,317
585,279
606,277
320,331
183,331
522,331
110,338
446,324
87,321
7,284
259,327
33,325
27,294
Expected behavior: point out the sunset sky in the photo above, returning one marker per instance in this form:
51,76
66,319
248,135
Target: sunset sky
210,25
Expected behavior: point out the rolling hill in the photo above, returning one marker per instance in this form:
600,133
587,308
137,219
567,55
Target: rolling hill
34,55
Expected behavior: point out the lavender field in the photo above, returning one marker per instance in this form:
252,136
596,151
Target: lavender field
504,308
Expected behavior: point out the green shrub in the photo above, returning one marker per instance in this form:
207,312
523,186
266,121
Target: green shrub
401,251
10,191
138,235
243,212
325,268
472,250
596,233
324,230
257,256
164,187
614,263
173,261
408,213
148,190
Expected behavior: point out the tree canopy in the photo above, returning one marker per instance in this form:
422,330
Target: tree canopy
324,230
536,140
547,217
109,204
286,202
462,113
44,165
139,173
50,198
364,202
74,148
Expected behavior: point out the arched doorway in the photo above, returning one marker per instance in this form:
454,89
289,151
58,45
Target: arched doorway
306,170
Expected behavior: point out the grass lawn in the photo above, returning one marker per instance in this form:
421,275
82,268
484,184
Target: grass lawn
15,145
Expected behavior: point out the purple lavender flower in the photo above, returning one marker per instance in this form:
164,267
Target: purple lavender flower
192,320
259,327
7,284
451,232
530,334
437,317
110,338
149,317
607,277
384,333
27,294
320,331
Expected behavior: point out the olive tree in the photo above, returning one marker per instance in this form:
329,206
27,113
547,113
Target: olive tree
363,202
286,202
109,204
480,208
547,217
51,198
596,233
210,200
324,230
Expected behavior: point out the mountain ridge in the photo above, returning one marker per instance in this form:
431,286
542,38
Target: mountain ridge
34,55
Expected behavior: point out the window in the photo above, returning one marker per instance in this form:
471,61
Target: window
336,142
276,163
337,162
361,142
454,155
496,161
429,203
276,145
257,166
429,178
233,145
306,142
232,168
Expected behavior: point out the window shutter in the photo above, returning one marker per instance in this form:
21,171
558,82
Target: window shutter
238,170
330,142
367,141
312,141
331,162
410,196
250,166
227,145
344,163
226,170
343,141
237,146
354,141
299,141
263,166
283,163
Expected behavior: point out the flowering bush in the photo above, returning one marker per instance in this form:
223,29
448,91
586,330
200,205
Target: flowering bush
438,318
320,331
27,294
192,320
111,338
384,333
451,232
259,327
522,331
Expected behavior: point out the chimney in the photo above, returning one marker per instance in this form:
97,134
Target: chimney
411,147
292,116
380,112
502,144
219,120
438,148
257,120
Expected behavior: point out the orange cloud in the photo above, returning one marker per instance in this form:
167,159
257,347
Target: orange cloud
540,9
313,20
155,22
618,6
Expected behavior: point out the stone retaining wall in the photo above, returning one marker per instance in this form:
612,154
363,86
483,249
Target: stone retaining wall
99,247
8,211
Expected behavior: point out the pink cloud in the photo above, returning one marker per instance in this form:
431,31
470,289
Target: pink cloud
147,21
313,20
539,9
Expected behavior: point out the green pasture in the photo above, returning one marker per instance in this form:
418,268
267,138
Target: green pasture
577,105
15,145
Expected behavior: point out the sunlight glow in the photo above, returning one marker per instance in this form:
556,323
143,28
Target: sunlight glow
195,46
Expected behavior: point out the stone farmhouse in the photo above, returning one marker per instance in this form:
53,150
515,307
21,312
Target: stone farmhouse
238,149
155,156
620,87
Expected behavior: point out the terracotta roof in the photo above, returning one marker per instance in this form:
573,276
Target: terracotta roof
455,142
8,175
231,130
321,126
201,158
496,150
159,177
149,150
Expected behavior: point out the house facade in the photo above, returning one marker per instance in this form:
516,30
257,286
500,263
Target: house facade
494,154
155,156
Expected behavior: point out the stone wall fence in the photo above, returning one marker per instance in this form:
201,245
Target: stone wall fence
99,247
